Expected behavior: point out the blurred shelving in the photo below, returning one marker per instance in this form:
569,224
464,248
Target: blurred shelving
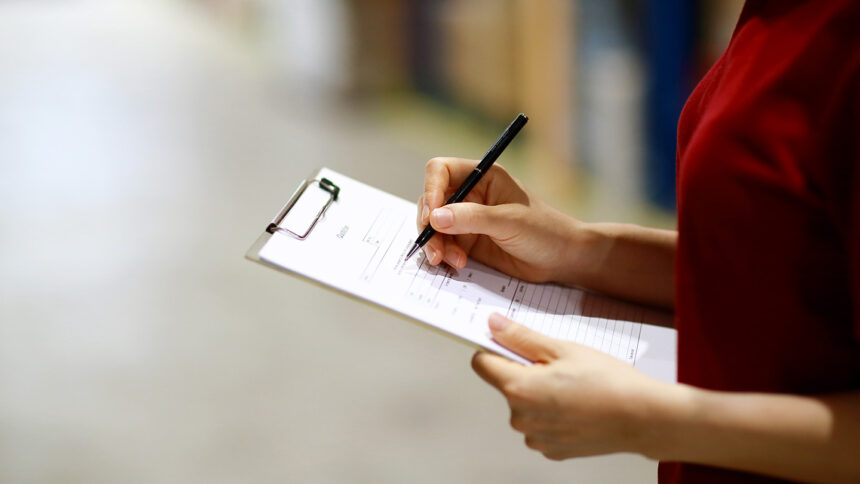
603,81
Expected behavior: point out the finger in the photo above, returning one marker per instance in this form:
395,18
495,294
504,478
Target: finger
444,174
466,242
523,341
495,370
419,218
434,249
499,222
454,255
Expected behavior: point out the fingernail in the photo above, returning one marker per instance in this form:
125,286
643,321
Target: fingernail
443,217
431,255
425,212
498,322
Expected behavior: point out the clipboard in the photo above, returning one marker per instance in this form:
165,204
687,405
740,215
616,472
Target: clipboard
346,236
273,227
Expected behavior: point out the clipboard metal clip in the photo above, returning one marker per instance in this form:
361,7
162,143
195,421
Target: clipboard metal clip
324,184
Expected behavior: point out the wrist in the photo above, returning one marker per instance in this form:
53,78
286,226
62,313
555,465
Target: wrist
585,248
665,422
622,260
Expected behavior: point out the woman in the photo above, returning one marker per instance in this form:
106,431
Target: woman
763,272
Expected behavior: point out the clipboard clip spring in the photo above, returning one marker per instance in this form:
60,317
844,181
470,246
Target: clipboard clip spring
324,184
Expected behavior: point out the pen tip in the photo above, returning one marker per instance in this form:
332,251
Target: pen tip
412,251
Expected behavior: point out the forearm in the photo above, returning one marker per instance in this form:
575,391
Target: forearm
624,260
811,439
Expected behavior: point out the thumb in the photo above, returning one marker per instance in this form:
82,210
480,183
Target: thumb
523,341
497,221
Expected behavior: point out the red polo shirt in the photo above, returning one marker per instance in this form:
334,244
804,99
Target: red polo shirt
768,262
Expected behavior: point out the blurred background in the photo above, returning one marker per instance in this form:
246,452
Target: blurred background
145,144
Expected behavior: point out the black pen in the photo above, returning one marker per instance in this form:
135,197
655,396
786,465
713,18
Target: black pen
473,178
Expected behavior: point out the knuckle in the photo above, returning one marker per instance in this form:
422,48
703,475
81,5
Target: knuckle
515,390
463,214
533,443
519,422
516,213
502,175
522,421
477,363
434,164
434,181
505,216
553,455
511,389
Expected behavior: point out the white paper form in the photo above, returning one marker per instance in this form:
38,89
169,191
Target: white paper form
359,247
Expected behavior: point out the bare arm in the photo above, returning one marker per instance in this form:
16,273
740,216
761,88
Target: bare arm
806,438
624,260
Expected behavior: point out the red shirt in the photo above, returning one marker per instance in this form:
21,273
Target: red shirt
768,262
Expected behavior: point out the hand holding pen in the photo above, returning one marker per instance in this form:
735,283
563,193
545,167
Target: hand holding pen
475,176
499,223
